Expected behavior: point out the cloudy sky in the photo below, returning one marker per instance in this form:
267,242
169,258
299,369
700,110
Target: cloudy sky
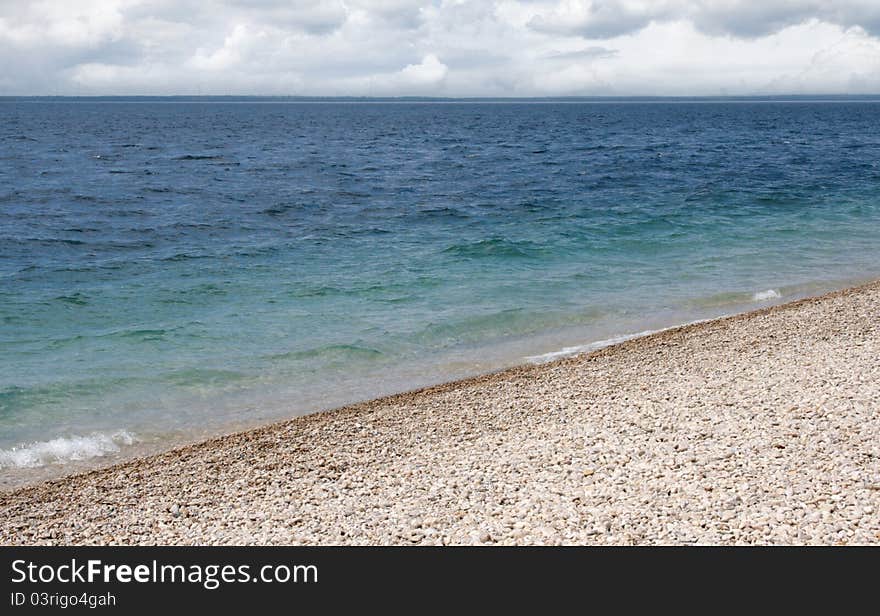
439,47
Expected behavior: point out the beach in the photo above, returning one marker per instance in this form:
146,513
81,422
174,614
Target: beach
759,428
161,286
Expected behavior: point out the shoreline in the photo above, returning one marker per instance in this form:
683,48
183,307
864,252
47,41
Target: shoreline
155,444
141,450
438,414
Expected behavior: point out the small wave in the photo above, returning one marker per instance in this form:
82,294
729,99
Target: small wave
497,325
54,240
337,352
198,157
201,377
438,212
281,208
495,247
601,344
586,348
734,298
183,256
77,299
763,296
145,335
320,291
138,335
65,449
778,199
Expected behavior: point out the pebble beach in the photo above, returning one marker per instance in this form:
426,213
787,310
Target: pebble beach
761,428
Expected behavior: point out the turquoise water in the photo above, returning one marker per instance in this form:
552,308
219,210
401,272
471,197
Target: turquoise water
175,269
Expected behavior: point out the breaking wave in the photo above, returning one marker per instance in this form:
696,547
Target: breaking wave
65,449
763,296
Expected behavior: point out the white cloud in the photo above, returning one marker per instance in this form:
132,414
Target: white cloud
598,19
439,47
430,71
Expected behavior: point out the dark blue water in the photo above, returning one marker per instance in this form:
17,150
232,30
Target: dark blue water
171,268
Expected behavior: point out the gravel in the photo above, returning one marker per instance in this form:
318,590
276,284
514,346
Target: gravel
759,428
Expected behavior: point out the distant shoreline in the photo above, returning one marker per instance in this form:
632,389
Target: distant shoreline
751,423
229,98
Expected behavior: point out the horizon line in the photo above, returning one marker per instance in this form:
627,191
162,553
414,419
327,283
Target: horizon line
413,98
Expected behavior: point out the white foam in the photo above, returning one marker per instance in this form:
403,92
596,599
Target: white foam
763,296
601,344
584,348
64,449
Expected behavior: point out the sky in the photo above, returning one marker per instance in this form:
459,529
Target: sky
450,48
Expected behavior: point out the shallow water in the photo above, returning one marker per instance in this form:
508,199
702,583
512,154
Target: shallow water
173,269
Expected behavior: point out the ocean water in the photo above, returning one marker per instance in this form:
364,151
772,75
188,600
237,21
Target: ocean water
170,269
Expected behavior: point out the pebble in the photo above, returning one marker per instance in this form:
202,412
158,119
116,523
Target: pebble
755,429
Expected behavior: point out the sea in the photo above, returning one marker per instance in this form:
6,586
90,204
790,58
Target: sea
175,268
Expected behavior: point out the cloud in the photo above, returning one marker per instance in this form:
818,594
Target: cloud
598,19
405,14
603,19
754,19
590,53
429,71
438,47
423,78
